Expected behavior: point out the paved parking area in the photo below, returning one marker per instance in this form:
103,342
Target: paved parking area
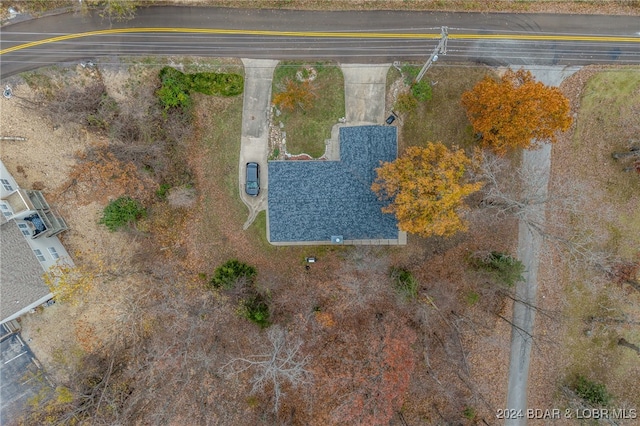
21,378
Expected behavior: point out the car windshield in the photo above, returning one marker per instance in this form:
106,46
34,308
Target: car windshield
252,185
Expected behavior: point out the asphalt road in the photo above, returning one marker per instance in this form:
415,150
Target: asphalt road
351,36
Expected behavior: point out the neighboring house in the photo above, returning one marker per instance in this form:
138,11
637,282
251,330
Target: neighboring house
29,247
331,202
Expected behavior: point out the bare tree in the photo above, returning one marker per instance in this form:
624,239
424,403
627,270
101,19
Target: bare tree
525,194
89,105
95,392
280,366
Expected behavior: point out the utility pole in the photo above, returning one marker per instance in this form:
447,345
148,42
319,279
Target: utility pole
441,48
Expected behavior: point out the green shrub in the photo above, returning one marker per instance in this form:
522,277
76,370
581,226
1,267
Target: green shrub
592,392
469,413
211,83
226,275
406,102
502,267
177,86
404,282
410,72
174,92
421,91
162,191
275,154
472,298
121,213
253,305
256,309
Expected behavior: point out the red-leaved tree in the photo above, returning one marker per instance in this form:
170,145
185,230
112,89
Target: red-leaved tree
365,373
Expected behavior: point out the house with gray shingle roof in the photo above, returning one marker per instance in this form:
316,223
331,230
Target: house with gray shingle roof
331,202
29,246
20,273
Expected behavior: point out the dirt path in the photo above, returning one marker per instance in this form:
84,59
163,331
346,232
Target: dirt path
529,246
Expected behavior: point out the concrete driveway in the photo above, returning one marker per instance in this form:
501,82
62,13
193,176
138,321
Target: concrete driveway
364,92
254,144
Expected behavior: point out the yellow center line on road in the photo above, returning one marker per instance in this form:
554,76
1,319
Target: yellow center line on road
322,34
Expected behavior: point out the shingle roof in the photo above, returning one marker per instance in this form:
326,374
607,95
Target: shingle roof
314,200
21,282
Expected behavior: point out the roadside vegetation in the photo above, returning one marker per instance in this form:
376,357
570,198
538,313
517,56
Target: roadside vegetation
109,10
551,6
176,86
309,100
508,114
122,10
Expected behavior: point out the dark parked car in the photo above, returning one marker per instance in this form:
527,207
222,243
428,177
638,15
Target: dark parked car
253,179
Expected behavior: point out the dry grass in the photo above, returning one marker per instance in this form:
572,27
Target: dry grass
608,7
600,7
442,118
215,232
570,341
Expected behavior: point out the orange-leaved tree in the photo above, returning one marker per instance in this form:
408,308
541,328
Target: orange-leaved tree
426,188
296,94
515,111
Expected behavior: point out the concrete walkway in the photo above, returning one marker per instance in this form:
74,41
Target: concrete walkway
529,246
254,145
